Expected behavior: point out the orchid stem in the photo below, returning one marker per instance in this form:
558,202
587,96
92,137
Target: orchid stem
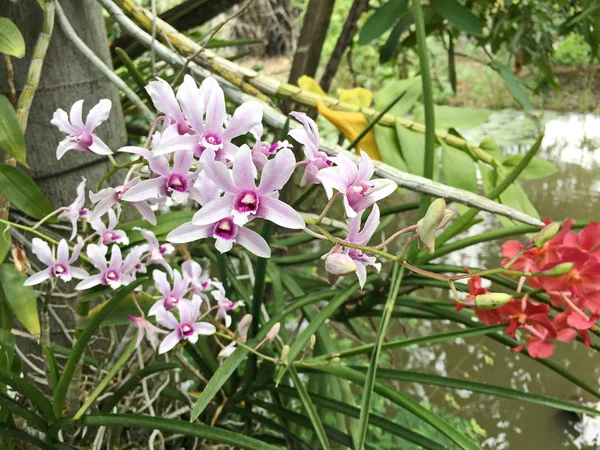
331,201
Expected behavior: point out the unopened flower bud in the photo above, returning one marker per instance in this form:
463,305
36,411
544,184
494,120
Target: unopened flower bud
312,341
547,233
429,224
492,300
556,271
227,351
273,332
339,264
285,351
448,214
244,326
335,359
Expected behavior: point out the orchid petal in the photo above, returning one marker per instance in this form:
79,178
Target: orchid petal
60,119
214,211
169,342
76,115
218,172
188,232
215,108
277,171
98,114
244,170
41,249
279,213
245,117
253,242
89,282
146,189
38,277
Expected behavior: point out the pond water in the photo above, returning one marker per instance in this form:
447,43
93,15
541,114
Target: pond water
572,142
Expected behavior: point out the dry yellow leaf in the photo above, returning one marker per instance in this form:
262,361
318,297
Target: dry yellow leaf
357,96
350,124
311,85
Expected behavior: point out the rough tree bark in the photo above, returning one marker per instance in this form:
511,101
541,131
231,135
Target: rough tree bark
66,77
310,43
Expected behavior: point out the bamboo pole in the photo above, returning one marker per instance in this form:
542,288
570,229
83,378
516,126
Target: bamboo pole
278,120
248,80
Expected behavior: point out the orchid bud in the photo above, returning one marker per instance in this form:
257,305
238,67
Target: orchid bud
556,271
547,233
227,351
273,332
285,351
448,214
339,264
243,326
429,224
492,300
312,341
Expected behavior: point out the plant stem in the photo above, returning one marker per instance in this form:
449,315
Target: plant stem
427,98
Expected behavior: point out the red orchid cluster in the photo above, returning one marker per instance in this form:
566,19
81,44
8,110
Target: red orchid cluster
576,293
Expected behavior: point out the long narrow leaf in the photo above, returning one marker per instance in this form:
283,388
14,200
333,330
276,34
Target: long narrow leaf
399,399
483,388
367,392
82,341
170,426
18,384
35,421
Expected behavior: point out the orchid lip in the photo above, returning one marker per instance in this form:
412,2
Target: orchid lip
246,202
225,229
59,270
171,302
111,275
177,183
186,330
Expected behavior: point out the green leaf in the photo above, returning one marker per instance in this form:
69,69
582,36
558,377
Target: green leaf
8,404
11,135
381,21
537,167
483,388
389,147
514,86
413,149
53,364
516,197
5,242
459,171
413,88
20,385
11,39
82,341
450,116
23,193
21,299
399,399
367,393
170,426
310,409
165,223
391,44
459,16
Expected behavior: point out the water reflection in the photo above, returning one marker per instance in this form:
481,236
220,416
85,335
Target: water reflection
572,143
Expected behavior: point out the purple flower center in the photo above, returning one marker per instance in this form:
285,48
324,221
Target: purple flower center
225,229
171,302
110,237
163,249
246,202
177,183
83,212
111,275
357,191
208,140
59,270
84,139
186,330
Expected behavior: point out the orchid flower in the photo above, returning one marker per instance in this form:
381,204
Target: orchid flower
156,251
224,305
108,197
58,267
262,150
114,273
146,329
75,210
171,105
224,231
308,136
243,201
242,331
80,135
174,182
354,183
108,234
359,237
171,295
208,118
199,280
186,328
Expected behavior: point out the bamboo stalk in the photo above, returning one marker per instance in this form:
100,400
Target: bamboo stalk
278,120
253,81
35,65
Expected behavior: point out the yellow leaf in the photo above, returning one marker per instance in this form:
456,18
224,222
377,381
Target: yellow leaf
311,85
358,96
350,124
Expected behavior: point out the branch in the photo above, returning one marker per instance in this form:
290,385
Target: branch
278,120
72,36
273,87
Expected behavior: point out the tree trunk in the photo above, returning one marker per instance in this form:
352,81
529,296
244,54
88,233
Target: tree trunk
312,37
67,76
